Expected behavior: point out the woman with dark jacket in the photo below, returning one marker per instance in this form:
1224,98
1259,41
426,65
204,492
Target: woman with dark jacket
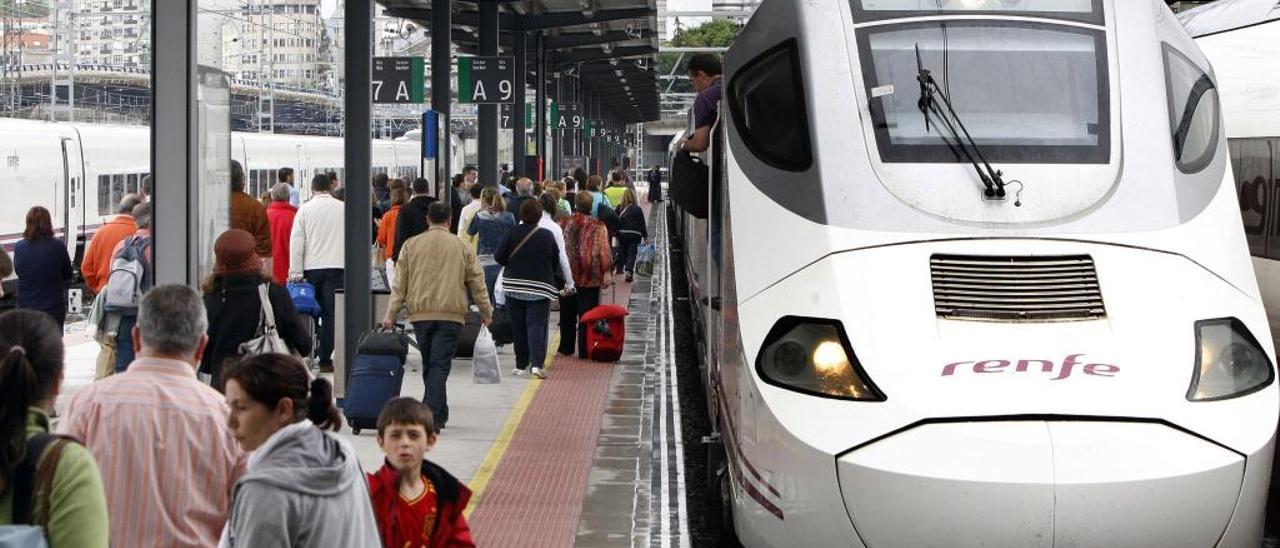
530,257
490,225
631,232
43,267
234,308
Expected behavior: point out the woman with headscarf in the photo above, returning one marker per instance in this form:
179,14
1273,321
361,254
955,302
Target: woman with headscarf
234,306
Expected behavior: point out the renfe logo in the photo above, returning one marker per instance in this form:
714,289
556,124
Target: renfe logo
1045,366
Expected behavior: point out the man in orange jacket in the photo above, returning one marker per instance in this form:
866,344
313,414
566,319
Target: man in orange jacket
96,265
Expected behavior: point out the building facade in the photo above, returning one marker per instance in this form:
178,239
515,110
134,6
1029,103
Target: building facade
114,33
281,42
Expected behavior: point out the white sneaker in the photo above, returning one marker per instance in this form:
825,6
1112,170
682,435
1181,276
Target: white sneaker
518,372
538,373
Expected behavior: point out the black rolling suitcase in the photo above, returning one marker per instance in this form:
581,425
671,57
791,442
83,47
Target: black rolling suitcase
376,377
467,337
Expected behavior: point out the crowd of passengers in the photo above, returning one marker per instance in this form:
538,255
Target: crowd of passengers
185,440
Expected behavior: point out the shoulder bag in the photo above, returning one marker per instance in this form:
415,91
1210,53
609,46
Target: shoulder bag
268,340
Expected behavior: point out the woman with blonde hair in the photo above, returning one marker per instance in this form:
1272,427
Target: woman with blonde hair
490,226
632,232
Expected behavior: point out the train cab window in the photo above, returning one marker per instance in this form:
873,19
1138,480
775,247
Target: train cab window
766,99
1193,111
1089,11
1027,92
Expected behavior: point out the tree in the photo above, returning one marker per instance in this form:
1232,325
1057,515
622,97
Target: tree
718,33
35,9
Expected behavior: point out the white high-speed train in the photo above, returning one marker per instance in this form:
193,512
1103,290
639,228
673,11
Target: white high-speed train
906,346
80,171
1242,40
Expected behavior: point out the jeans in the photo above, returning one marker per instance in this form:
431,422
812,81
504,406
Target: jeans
124,342
491,279
327,282
529,325
628,246
572,333
438,342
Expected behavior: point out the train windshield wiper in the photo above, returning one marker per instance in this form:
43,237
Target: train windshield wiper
991,178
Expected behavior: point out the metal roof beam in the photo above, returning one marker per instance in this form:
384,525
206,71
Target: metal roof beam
579,39
615,53
574,18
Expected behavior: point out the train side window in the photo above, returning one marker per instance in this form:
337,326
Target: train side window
132,185
1193,111
105,207
117,187
766,98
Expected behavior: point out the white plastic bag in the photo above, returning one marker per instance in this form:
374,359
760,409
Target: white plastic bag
485,367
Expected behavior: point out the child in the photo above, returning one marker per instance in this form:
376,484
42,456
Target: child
418,504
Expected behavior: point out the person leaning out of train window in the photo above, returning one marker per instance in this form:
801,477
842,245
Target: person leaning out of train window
250,215
591,261
43,267
232,300
96,265
280,216
704,71
71,506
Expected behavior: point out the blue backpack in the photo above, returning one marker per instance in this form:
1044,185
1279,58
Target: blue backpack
304,300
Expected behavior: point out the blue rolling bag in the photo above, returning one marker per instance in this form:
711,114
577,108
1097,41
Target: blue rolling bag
376,377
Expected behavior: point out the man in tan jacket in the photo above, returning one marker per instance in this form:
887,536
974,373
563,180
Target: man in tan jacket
433,275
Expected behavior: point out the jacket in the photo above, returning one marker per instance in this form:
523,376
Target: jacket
96,265
468,215
566,271
316,239
387,231
78,506
451,529
631,222
532,270
249,215
411,222
587,243
44,272
433,275
234,310
303,488
280,219
490,228
614,194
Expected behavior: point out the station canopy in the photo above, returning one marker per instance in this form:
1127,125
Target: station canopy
612,45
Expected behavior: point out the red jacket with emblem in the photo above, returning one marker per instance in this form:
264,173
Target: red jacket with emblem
450,530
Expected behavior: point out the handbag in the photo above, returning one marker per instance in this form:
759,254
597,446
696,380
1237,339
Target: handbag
268,340
690,178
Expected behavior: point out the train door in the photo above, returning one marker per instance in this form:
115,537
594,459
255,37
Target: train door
72,198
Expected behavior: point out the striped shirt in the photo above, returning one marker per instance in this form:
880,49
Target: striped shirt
168,460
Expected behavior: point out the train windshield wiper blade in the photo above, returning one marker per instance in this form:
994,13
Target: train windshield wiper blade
991,178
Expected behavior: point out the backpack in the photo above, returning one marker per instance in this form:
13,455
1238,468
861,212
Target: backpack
34,474
129,277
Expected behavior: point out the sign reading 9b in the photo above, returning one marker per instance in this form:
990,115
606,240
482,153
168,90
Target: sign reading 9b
487,80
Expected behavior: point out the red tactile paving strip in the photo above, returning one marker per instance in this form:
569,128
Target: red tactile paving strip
535,496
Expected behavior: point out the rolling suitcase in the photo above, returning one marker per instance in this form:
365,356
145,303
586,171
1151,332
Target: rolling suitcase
376,377
606,332
467,337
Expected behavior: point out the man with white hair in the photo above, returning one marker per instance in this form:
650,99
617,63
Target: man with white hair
280,216
168,461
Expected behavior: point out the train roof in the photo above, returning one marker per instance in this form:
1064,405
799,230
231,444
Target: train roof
1227,15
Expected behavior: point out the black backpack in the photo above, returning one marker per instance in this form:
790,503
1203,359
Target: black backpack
690,180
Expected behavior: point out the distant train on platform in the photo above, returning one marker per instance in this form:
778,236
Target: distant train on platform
80,171
975,274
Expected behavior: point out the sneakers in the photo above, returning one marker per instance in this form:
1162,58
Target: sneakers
517,372
630,278
538,373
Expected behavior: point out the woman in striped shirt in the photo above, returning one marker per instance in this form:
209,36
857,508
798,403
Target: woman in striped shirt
530,258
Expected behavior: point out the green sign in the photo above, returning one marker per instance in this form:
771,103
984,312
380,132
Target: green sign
398,80
487,80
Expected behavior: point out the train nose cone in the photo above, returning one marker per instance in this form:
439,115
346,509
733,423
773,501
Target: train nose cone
1041,483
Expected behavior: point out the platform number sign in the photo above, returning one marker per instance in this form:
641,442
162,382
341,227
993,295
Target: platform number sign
506,117
487,80
567,116
398,80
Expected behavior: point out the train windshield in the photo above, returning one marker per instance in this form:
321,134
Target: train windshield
1089,11
1027,92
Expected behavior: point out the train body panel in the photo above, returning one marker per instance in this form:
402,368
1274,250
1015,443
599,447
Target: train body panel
895,357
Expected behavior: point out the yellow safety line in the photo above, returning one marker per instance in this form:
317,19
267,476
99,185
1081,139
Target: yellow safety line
499,448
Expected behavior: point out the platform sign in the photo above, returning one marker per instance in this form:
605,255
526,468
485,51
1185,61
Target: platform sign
487,79
398,80
506,117
567,116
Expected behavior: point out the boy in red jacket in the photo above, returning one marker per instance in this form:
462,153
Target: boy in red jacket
418,504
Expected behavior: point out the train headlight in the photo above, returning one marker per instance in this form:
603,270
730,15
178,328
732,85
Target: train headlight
1229,362
813,356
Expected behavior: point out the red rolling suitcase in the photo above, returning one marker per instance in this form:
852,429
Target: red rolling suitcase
606,332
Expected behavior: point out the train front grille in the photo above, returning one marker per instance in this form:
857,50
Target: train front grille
1016,289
